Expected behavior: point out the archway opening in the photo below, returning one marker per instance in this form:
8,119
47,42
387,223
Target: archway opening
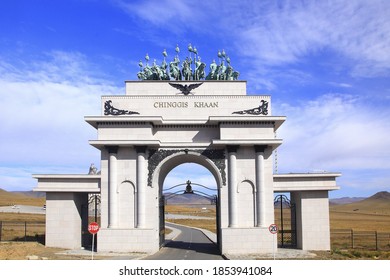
190,195
285,218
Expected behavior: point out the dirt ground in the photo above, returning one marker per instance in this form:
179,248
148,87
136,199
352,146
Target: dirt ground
37,251
34,251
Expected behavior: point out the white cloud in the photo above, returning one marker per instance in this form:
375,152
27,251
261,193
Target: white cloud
337,133
42,117
359,30
174,15
334,133
348,36
341,85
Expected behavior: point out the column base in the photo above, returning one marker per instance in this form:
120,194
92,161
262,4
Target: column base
247,241
128,240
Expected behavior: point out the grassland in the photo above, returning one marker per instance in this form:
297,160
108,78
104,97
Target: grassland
9,198
369,215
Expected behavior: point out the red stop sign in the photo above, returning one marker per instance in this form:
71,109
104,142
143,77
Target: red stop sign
93,228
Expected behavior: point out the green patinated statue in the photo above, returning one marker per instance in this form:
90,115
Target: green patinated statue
192,68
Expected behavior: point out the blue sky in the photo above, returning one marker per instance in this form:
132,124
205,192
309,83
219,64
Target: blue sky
326,65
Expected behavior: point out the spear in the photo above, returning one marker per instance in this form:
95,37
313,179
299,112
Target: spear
147,59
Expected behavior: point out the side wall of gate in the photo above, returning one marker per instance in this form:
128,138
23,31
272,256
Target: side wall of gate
129,206
247,211
67,207
309,193
313,226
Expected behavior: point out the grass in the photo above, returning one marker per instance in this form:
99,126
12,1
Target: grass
364,242
358,217
193,211
21,217
9,199
359,221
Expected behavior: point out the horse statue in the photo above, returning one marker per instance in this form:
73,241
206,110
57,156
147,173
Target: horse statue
199,71
149,74
157,73
229,73
186,71
163,69
214,68
222,71
178,71
174,70
141,76
235,75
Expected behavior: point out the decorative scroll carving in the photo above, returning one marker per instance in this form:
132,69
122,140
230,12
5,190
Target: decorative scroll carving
217,156
110,110
261,110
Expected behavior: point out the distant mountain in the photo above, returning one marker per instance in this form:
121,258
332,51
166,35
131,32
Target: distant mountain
345,200
380,196
31,193
378,203
19,198
186,199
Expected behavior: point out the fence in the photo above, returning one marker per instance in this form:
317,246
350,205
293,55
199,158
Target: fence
22,231
340,238
351,239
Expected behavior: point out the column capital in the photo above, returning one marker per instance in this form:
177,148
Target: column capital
112,149
260,148
232,148
140,149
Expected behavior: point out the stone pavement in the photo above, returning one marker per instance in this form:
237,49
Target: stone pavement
104,255
280,254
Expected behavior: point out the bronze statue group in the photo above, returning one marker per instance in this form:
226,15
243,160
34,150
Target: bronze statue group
192,68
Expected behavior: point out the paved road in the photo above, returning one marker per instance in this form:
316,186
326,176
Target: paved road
181,216
22,209
190,244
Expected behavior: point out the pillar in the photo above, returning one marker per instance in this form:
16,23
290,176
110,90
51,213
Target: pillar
141,187
232,185
112,187
260,186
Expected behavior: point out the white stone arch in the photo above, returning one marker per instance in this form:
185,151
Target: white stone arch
180,157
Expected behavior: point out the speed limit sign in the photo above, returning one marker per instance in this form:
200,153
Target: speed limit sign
273,229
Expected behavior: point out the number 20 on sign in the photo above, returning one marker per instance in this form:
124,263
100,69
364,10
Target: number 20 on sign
273,229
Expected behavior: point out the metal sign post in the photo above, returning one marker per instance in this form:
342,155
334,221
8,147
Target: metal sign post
273,229
93,228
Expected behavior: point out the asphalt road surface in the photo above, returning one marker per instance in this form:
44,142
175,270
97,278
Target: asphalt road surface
23,209
190,244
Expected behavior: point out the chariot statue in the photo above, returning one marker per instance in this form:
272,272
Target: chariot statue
192,68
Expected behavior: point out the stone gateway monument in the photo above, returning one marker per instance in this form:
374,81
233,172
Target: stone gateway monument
174,115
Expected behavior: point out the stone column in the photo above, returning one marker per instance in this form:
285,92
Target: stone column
141,187
260,186
232,184
112,187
